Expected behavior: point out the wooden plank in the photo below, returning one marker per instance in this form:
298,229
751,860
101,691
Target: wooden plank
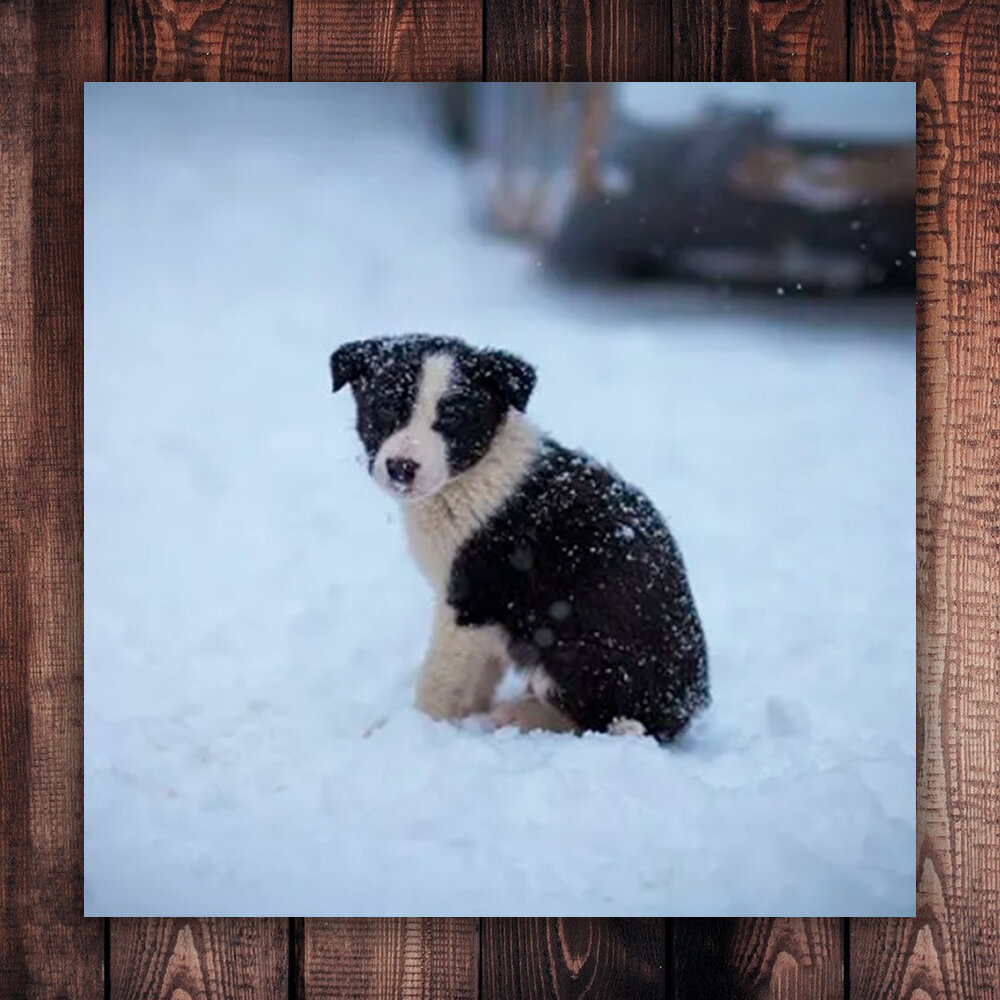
794,959
760,40
47,50
563,958
209,40
387,40
555,40
169,959
897,959
952,948
883,40
392,959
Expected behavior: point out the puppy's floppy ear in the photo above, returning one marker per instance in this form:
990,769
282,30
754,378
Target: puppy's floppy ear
350,362
508,377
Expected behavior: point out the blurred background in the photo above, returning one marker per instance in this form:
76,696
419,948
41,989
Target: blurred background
715,284
808,188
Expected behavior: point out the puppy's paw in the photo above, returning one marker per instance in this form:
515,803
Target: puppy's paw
447,693
443,699
626,727
505,714
530,713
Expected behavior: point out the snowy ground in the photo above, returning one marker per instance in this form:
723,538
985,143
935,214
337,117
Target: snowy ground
251,609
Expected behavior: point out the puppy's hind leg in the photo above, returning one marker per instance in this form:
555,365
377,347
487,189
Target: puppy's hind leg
529,713
461,670
534,710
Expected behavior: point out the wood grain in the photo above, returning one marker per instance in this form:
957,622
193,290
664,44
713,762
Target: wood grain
760,40
564,958
896,959
952,949
199,960
209,40
47,50
555,40
784,959
392,959
883,41
387,40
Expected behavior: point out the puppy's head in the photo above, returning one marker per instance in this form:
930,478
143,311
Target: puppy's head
428,407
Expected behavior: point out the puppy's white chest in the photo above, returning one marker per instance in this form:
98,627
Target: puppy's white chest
433,540
438,526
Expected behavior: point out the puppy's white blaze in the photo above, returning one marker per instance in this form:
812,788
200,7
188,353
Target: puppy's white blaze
417,441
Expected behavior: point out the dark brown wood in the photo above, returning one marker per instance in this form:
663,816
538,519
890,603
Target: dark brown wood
760,40
883,40
207,40
296,953
393,959
952,949
387,40
901,960
199,959
793,959
564,958
577,40
47,50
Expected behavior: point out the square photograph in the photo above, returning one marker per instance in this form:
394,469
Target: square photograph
499,500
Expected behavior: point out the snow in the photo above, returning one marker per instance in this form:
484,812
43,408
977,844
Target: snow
254,621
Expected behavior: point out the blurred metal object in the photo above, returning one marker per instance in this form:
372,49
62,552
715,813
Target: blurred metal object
729,197
531,159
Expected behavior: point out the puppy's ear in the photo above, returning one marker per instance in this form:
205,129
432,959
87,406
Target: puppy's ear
509,377
350,362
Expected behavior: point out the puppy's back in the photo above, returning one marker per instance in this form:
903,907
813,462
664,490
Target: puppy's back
581,571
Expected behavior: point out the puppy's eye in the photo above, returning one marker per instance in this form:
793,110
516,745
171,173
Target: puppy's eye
452,415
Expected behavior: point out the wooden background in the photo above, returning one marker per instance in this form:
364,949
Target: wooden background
47,48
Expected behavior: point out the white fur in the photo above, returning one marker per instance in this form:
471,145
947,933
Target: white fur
541,685
417,441
437,525
464,664
462,667
626,727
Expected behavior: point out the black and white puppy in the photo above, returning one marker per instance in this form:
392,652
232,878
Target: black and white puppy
538,555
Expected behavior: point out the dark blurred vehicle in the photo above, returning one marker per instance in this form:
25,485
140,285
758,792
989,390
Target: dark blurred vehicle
735,195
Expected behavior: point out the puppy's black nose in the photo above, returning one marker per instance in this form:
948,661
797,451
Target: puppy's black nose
401,470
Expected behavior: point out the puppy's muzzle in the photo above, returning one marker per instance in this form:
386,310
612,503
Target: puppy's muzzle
401,471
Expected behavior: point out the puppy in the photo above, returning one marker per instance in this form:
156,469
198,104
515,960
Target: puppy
538,555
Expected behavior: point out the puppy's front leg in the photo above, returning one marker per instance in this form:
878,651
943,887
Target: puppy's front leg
461,670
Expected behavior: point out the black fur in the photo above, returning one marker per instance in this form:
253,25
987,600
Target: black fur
384,374
577,567
510,379
581,572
